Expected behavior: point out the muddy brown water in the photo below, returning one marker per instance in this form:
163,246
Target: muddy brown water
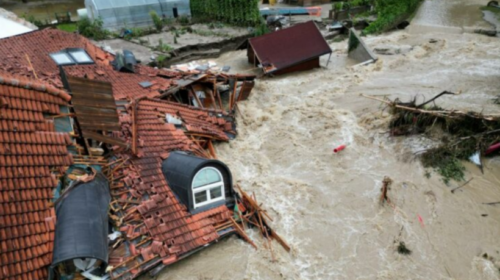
326,205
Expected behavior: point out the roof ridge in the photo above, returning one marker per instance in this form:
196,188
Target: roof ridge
35,85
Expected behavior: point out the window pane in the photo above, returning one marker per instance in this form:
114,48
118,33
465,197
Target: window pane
200,197
205,177
81,56
61,58
215,192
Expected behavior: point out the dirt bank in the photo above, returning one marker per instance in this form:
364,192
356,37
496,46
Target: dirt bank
326,205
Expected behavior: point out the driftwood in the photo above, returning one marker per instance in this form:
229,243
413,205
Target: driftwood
463,185
466,133
440,113
386,183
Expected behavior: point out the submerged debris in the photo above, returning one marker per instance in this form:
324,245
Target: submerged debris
464,133
386,183
402,249
497,100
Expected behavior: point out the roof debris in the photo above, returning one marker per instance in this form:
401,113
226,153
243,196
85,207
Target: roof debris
56,121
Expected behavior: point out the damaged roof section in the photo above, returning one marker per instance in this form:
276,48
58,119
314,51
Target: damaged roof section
291,49
123,124
31,153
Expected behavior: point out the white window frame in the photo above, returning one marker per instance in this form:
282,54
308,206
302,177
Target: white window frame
207,188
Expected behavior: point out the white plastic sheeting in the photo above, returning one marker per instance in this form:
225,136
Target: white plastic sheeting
11,28
117,14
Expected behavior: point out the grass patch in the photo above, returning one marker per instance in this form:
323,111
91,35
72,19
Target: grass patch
390,13
68,27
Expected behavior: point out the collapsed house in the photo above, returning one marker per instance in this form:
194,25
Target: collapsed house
81,129
297,48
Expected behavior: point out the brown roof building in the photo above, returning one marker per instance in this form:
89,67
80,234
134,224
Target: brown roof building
296,48
41,142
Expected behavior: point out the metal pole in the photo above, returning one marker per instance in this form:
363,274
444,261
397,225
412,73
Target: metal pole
330,56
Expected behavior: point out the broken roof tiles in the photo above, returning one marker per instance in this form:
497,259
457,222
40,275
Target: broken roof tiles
125,85
169,229
27,55
29,148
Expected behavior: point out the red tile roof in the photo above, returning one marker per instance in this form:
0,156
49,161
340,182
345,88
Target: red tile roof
290,46
125,85
27,52
173,231
29,149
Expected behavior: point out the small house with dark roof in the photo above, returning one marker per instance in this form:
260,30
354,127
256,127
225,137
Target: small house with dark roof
297,48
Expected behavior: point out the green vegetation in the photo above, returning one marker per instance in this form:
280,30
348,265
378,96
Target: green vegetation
210,33
157,21
33,20
92,29
340,6
238,12
390,13
463,134
261,29
494,10
161,60
162,47
183,20
68,27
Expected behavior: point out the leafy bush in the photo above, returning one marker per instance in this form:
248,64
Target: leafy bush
92,29
162,47
183,20
390,12
260,30
161,60
157,21
33,20
238,12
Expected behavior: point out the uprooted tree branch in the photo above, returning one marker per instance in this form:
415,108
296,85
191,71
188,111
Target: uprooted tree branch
465,133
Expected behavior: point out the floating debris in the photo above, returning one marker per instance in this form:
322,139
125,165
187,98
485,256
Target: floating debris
465,133
402,249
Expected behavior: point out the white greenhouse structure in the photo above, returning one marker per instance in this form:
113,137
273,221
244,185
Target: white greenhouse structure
117,14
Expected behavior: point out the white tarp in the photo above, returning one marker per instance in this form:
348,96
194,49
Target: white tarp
11,28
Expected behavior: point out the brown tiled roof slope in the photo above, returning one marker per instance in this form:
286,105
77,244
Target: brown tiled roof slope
27,54
125,85
172,229
29,149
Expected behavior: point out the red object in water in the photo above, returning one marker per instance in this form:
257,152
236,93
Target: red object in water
339,148
492,149
421,220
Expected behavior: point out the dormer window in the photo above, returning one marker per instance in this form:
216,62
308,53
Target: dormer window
208,187
199,183
71,57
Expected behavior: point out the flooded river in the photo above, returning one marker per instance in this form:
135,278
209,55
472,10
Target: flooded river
326,205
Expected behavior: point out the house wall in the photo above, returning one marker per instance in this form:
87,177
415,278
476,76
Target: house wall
251,56
307,65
